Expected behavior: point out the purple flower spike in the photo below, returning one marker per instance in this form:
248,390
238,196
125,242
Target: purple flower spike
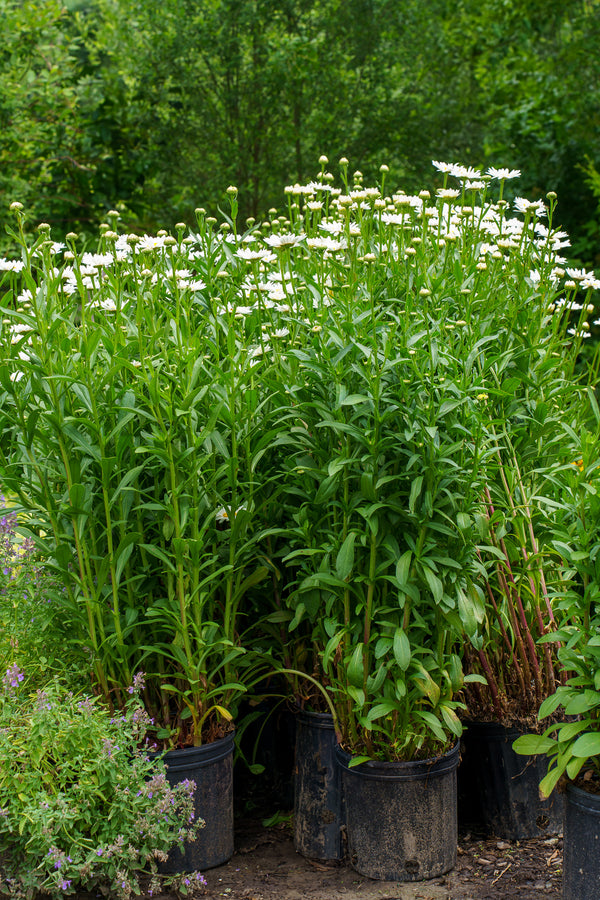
13,677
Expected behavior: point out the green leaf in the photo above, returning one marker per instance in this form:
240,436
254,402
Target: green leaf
331,647
433,723
582,703
475,677
355,670
345,557
428,685
463,521
466,612
358,760
451,720
549,705
298,615
455,673
381,709
533,744
353,399
569,730
159,554
81,441
549,782
434,584
574,767
587,745
402,651
593,403
415,490
403,568
123,553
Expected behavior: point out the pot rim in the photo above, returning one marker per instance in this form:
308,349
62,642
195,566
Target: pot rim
401,770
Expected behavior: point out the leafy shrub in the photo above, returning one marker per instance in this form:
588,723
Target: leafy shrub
81,806
330,404
571,739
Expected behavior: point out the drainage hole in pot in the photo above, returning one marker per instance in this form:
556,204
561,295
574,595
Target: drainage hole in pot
542,822
411,866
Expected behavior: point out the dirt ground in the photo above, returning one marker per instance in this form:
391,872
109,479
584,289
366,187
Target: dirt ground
266,867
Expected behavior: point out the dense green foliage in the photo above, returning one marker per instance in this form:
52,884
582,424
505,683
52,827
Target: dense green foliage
81,806
333,443
154,108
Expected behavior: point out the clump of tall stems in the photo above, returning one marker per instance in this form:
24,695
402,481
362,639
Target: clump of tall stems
315,426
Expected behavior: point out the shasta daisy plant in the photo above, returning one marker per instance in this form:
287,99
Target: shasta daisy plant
296,421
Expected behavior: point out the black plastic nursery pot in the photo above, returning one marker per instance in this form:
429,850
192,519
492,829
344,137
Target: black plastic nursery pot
501,787
581,845
401,817
211,767
318,815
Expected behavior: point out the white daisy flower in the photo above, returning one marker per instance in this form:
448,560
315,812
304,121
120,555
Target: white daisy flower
252,255
107,305
148,242
579,274
465,172
590,282
96,260
326,243
503,174
281,241
530,206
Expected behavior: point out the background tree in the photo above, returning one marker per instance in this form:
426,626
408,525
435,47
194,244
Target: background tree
156,107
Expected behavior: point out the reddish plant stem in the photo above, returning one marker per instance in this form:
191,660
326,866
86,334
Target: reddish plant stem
506,639
491,680
516,596
504,587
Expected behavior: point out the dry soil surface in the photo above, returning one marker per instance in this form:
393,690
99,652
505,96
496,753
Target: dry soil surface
266,867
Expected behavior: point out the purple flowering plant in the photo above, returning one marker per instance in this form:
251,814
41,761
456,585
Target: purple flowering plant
81,806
